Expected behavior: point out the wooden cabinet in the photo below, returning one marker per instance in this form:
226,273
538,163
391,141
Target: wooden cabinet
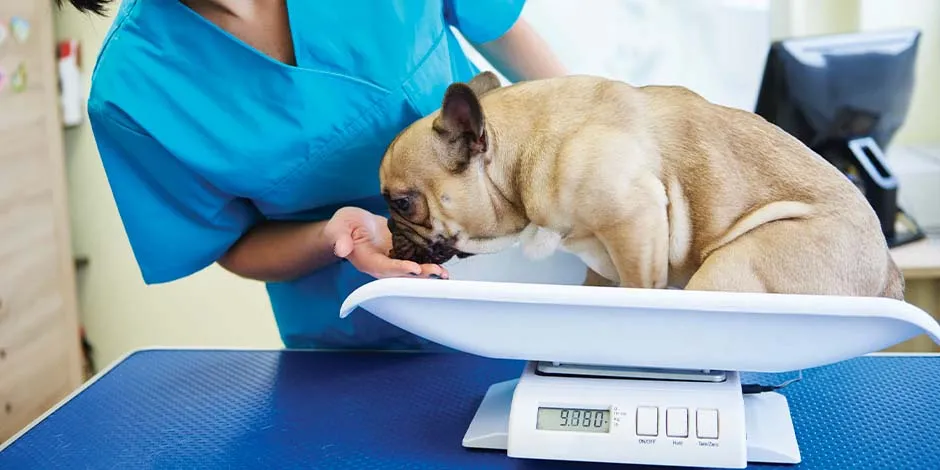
40,355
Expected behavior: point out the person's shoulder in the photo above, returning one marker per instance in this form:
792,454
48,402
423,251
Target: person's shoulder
126,68
109,77
113,47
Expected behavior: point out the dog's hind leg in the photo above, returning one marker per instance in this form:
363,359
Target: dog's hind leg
895,284
805,256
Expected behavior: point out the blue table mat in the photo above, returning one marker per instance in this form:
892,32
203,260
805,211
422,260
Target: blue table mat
372,411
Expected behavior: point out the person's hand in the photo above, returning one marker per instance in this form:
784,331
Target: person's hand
364,240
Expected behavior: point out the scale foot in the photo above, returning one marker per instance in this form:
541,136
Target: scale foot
769,427
490,426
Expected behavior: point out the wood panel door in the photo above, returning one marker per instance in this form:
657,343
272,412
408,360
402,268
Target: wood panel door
40,355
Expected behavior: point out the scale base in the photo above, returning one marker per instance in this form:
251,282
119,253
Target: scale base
771,438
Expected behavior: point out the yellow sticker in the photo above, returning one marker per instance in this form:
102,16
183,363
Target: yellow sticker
18,80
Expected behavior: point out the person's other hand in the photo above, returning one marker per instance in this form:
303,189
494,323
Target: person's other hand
364,240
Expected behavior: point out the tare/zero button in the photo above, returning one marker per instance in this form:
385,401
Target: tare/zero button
677,422
706,424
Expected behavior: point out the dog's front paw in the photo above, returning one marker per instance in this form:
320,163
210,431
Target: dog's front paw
539,243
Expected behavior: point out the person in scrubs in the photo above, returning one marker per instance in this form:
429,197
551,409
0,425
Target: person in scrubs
249,134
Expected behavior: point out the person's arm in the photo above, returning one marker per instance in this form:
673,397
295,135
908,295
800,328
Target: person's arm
280,251
521,54
178,223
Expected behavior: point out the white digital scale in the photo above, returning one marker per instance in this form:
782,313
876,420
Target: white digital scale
638,376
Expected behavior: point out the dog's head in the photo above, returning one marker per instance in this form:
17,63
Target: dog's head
434,179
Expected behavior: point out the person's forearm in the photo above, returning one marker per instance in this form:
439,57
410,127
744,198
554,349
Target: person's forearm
279,251
521,54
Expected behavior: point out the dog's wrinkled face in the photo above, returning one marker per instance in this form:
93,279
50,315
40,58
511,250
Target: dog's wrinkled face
433,177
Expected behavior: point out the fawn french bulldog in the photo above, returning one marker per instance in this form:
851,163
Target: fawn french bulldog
651,187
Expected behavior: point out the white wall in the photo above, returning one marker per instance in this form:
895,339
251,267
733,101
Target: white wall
714,47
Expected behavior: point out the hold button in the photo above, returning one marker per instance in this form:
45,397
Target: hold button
677,422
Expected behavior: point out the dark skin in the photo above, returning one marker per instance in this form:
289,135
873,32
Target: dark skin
282,251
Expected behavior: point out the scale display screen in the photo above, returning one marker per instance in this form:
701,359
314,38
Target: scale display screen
573,419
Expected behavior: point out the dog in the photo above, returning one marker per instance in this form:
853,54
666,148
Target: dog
651,187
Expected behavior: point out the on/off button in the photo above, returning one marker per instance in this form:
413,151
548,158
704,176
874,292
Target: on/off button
647,421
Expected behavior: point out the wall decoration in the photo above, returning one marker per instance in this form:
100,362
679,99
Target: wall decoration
4,79
19,79
4,33
20,29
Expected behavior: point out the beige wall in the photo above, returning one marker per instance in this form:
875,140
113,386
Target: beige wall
924,118
214,308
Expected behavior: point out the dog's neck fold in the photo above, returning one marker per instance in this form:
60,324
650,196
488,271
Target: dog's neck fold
511,165
503,166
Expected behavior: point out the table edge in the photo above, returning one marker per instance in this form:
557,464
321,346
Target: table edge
107,369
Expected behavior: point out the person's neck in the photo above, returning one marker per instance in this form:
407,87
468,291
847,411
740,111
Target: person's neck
265,26
231,8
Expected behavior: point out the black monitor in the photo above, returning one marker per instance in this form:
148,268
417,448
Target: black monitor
845,96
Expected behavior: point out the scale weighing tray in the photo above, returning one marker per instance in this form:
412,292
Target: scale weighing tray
639,362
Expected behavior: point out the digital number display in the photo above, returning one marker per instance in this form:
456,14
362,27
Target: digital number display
573,419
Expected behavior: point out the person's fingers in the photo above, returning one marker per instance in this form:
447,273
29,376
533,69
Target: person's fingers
434,270
340,234
405,267
380,266
343,245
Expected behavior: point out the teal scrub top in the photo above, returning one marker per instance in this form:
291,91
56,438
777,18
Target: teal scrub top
202,136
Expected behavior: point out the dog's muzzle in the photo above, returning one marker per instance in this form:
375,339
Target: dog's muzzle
433,252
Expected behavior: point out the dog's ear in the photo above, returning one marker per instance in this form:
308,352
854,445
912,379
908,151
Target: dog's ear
484,82
461,125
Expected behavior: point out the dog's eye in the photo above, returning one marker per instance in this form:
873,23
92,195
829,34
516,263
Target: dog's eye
402,205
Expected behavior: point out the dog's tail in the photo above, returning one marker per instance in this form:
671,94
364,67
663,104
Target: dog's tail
894,287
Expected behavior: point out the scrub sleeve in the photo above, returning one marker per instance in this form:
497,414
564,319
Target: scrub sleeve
176,222
482,21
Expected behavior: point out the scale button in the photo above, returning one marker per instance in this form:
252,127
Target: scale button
706,424
677,422
647,421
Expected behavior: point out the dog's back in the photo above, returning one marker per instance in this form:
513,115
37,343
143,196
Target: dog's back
751,207
727,158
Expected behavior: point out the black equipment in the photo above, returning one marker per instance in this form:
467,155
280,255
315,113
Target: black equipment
845,96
